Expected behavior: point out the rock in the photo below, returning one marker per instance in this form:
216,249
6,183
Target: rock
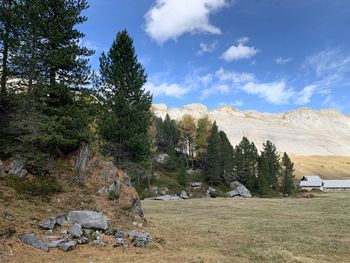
32,240
88,219
162,158
119,242
119,234
98,243
191,172
8,216
183,195
156,176
240,189
115,187
127,180
164,191
137,207
153,189
164,198
17,168
48,224
67,246
83,240
196,185
61,220
232,193
82,160
2,168
139,239
211,192
56,243
90,234
76,231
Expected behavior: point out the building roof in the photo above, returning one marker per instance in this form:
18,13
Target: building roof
336,183
311,181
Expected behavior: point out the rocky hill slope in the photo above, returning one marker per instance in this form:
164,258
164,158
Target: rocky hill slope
300,132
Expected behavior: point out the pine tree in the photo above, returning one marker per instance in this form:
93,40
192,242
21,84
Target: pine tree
273,160
214,166
262,182
171,134
287,184
226,155
126,106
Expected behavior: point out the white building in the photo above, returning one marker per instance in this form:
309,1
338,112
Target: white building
315,182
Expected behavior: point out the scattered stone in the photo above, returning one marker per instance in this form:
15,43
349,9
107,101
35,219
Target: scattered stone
98,243
67,246
17,168
139,239
119,242
127,180
83,240
211,192
119,234
76,231
164,191
2,168
196,185
88,219
48,224
164,198
137,207
114,187
49,232
184,195
61,220
8,216
32,240
239,189
56,243
162,158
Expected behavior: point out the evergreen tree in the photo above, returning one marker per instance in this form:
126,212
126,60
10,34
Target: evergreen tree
226,155
262,182
214,164
245,162
181,177
171,134
204,126
273,160
287,182
126,115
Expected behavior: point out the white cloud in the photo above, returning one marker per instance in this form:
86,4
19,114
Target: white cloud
166,90
237,103
92,45
233,76
305,95
169,19
282,61
207,47
241,51
220,89
275,93
242,40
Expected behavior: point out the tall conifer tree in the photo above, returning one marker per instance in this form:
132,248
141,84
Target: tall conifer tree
287,184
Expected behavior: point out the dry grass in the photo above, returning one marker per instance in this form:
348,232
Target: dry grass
226,230
328,167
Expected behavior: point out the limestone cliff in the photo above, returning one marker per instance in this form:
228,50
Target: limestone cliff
302,132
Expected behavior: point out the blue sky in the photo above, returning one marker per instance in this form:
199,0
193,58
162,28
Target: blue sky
265,55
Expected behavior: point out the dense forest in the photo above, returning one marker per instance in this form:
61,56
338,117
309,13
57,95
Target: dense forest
51,101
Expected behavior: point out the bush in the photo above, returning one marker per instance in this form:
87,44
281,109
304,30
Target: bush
42,186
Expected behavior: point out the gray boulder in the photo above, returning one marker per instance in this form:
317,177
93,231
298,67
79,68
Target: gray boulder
139,239
119,234
211,192
162,158
67,246
164,191
76,230
48,224
17,168
137,207
184,195
32,240
88,219
196,185
61,220
114,187
239,189
127,180
56,243
2,168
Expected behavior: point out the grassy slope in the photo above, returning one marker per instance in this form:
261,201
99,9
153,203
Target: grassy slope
226,230
328,167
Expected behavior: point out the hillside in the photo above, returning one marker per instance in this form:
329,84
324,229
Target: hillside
299,132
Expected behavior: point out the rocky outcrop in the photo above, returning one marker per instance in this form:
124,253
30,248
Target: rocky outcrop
88,219
239,190
301,132
17,168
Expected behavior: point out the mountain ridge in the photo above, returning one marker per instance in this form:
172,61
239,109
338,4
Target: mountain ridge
303,131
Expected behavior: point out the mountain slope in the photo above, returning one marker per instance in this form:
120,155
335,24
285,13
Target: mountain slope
299,132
